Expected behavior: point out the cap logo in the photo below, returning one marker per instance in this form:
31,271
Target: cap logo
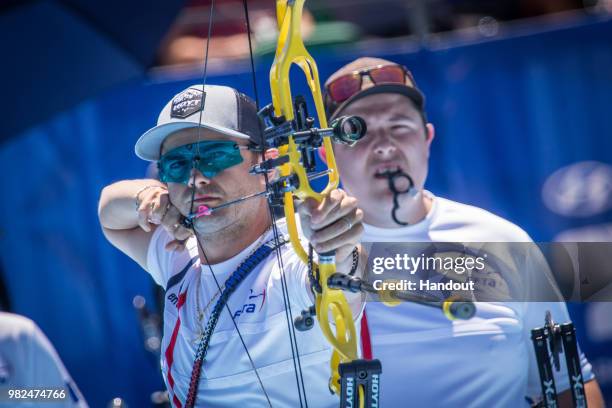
187,103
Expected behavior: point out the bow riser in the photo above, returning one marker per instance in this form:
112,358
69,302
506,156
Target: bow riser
291,50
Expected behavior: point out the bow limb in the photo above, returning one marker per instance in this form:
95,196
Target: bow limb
330,302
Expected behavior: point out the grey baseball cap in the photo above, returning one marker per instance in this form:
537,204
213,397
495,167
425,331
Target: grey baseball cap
214,108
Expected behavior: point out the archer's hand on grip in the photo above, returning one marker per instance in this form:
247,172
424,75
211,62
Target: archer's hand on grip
333,225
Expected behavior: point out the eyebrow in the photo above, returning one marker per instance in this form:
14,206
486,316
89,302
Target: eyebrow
397,117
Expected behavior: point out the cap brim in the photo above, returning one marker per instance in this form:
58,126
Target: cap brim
148,146
412,93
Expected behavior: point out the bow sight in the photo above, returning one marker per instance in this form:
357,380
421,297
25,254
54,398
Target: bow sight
346,130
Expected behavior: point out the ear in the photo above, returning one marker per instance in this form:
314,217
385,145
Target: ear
431,133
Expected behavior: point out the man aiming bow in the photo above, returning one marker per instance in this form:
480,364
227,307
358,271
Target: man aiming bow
204,232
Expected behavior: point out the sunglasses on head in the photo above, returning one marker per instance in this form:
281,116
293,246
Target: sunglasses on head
209,157
345,86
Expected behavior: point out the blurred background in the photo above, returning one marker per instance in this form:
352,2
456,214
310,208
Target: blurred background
520,92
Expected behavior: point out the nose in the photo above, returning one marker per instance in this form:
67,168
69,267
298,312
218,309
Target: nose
197,179
384,148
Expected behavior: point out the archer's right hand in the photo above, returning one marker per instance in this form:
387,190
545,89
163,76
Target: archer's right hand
155,208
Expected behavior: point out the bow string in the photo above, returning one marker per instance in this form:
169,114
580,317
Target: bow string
290,129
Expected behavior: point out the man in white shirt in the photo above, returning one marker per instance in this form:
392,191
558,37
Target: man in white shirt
486,361
28,361
225,297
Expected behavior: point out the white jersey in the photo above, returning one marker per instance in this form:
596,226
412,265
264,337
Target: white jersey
227,377
28,360
487,361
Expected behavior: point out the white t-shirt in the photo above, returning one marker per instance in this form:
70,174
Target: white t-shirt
227,377
29,360
487,361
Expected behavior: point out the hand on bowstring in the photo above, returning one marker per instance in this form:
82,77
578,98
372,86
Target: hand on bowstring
333,224
156,209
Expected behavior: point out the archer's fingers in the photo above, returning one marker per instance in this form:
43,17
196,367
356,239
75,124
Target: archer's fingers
327,206
351,237
172,222
317,209
181,233
344,207
171,218
143,216
160,209
304,221
152,208
338,227
305,207
178,231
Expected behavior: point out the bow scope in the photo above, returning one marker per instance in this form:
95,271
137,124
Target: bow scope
348,130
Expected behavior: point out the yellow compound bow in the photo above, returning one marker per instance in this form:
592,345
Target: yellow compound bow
291,130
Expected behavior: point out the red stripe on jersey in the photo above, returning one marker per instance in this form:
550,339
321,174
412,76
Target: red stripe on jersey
366,343
170,350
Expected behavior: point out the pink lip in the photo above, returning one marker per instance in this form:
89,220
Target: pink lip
204,197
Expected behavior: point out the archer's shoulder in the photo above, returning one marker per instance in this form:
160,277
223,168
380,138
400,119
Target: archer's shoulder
162,264
478,223
17,327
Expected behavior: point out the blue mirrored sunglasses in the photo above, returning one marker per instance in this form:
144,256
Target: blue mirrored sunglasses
209,157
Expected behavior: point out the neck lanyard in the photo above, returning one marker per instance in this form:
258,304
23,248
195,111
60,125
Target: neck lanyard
230,286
